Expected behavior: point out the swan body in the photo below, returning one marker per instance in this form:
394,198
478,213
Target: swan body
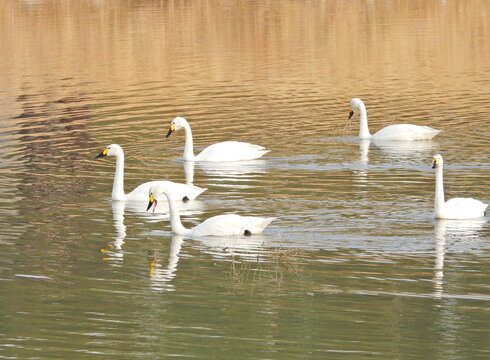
221,225
457,208
223,151
140,193
399,132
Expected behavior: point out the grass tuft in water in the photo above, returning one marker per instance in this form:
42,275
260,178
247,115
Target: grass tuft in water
270,267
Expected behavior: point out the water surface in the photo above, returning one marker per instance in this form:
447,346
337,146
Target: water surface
354,266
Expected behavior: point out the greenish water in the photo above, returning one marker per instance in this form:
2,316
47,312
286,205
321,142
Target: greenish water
354,266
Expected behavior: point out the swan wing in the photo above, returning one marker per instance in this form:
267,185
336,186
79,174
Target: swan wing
231,151
179,191
406,132
227,225
464,208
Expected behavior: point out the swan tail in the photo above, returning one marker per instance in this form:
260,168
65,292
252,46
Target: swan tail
258,225
197,191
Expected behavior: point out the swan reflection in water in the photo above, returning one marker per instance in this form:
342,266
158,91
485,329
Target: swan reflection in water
409,151
460,236
160,276
248,248
220,248
225,171
115,255
114,251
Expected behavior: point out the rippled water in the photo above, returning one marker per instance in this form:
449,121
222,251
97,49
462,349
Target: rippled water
354,266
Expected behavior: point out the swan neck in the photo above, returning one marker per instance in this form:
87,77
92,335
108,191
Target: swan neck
189,145
118,185
439,198
177,227
363,130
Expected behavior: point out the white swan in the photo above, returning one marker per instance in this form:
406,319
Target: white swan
399,132
221,225
179,191
223,151
457,208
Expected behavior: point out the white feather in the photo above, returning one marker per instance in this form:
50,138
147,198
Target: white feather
457,208
221,225
223,151
400,132
140,193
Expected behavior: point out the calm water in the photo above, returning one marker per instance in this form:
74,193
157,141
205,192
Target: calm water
354,267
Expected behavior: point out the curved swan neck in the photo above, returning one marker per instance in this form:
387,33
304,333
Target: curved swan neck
364,133
177,227
118,185
189,145
439,198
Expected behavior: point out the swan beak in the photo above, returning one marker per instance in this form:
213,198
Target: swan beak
102,154
351,113
434,165
170,131
153,202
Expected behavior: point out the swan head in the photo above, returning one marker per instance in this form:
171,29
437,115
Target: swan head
176,124
153,194
355,104
437,161
152,201
110,150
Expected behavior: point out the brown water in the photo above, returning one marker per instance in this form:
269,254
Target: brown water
354,266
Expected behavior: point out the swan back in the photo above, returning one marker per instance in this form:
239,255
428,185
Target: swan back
231,151
178,191
464,208
405,132
231,225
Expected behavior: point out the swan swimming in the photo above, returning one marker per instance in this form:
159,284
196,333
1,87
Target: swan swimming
179,191
222,151
457,208
221,225
399,132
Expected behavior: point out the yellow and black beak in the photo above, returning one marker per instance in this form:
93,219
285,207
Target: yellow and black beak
351,113
170,131
102,154
435,163
151,202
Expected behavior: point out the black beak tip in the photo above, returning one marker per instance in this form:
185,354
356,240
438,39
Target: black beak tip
350,115
169,133
149,205
99,156
434,166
